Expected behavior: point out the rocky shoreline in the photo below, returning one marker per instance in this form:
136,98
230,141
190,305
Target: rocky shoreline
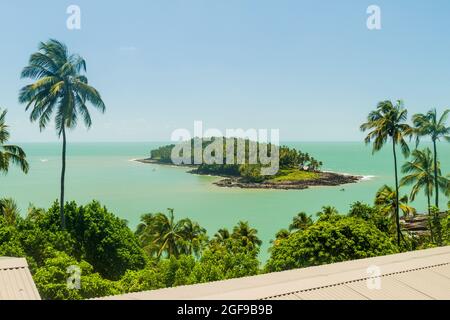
325,179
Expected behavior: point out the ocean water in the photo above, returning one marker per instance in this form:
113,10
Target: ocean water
106,172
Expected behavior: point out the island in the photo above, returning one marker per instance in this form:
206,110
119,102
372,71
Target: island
296,169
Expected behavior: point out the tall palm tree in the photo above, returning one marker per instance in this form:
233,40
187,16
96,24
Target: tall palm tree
246,235
10,153
386,200
61,88
387,123
429,125
300,222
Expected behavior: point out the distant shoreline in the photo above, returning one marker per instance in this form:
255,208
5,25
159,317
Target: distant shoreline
326,178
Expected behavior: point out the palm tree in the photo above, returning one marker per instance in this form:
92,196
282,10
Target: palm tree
220,237
145,232
246,235
386,201
35,213
420,173
300,222
384,123
279,236
10,153
161,234
429,125
327,211
9,210
194,236
61,88
167,234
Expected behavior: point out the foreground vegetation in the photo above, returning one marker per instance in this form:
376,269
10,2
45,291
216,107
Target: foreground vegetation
165,252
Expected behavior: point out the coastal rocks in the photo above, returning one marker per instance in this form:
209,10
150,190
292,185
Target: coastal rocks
325,179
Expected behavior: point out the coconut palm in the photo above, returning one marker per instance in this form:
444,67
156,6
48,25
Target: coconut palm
34,213
9,210
436,128
246,235
145,232
386,201
194,237
220,237
161,234
300,222
166,234
327,211
421,173
61,89
279,236
387,123
10,153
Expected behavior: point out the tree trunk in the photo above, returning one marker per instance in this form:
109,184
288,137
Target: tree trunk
429,217
436,173
63,173
397,206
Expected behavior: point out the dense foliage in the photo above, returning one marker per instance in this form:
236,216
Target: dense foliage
330,239
166,252
288,159
111,259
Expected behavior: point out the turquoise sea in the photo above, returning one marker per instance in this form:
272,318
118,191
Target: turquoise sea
105,171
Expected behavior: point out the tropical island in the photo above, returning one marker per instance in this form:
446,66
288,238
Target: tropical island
297,170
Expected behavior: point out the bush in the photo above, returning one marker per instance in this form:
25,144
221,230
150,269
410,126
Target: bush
100,238
370,214
330,241
9,240
52,278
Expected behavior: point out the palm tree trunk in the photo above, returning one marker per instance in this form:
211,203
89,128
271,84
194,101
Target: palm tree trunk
63,173
397,206
429,216
436,173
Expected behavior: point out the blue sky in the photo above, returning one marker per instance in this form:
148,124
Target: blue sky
310,68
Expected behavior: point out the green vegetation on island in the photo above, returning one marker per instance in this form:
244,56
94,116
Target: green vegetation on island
297,170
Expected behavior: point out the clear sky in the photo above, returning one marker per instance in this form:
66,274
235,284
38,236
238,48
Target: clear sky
310,68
